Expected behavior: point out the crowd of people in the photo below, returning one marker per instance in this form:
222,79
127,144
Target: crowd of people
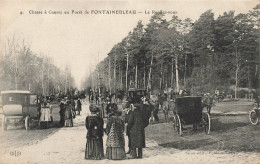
134,121
104,95
68,109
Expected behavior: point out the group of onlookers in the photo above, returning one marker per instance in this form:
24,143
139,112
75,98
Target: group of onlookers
68,109
105,96
135,122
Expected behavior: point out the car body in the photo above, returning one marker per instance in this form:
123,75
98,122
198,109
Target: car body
19,106
135,95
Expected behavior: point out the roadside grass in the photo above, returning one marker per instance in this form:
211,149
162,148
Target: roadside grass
232,133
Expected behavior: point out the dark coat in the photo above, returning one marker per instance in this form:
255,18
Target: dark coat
94,125
136,127
62,109
73,104
78,105
146,111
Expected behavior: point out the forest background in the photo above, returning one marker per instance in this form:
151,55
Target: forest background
198,56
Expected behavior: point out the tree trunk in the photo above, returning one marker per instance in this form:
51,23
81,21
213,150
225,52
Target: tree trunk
109,76
115,74
144,74
48,82
16,73
177,73
43,81
172,73
136,69
161,78
149,78
185,70
237,70
121,78
126,71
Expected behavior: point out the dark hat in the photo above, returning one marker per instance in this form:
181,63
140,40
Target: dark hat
115,113
114,107
93,108
44,103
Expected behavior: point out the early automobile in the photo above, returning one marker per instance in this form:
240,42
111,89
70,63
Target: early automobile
188,111
19,106
135,95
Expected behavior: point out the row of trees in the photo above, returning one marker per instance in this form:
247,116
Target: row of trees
180,54
23,69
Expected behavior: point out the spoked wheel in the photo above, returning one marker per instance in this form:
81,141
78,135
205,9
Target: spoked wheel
27,123
4,123
174,122
178,125
253,117
206,122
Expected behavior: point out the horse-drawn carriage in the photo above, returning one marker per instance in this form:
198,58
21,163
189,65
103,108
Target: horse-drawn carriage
254,116
188,111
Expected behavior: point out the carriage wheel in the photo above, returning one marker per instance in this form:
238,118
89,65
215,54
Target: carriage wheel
206,122
39,124
4,123
174,122
27,123
253,117
178,124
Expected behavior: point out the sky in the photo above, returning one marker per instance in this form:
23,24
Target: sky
82,40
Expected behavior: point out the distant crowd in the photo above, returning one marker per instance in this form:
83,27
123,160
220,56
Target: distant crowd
70,106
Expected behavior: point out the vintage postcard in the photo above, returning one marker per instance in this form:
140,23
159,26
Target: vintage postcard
128,81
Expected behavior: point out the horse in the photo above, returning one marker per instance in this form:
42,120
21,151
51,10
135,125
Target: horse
164,105
208,102
165,109
155,108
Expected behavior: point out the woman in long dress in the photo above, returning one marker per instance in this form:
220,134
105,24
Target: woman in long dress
45,117
68,115
94,125
115,132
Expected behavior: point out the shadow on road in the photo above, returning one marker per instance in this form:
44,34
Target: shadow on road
184,144
219,126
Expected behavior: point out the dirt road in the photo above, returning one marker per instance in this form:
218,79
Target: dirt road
67,145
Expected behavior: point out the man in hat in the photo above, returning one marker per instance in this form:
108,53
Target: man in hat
136,125
78,106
